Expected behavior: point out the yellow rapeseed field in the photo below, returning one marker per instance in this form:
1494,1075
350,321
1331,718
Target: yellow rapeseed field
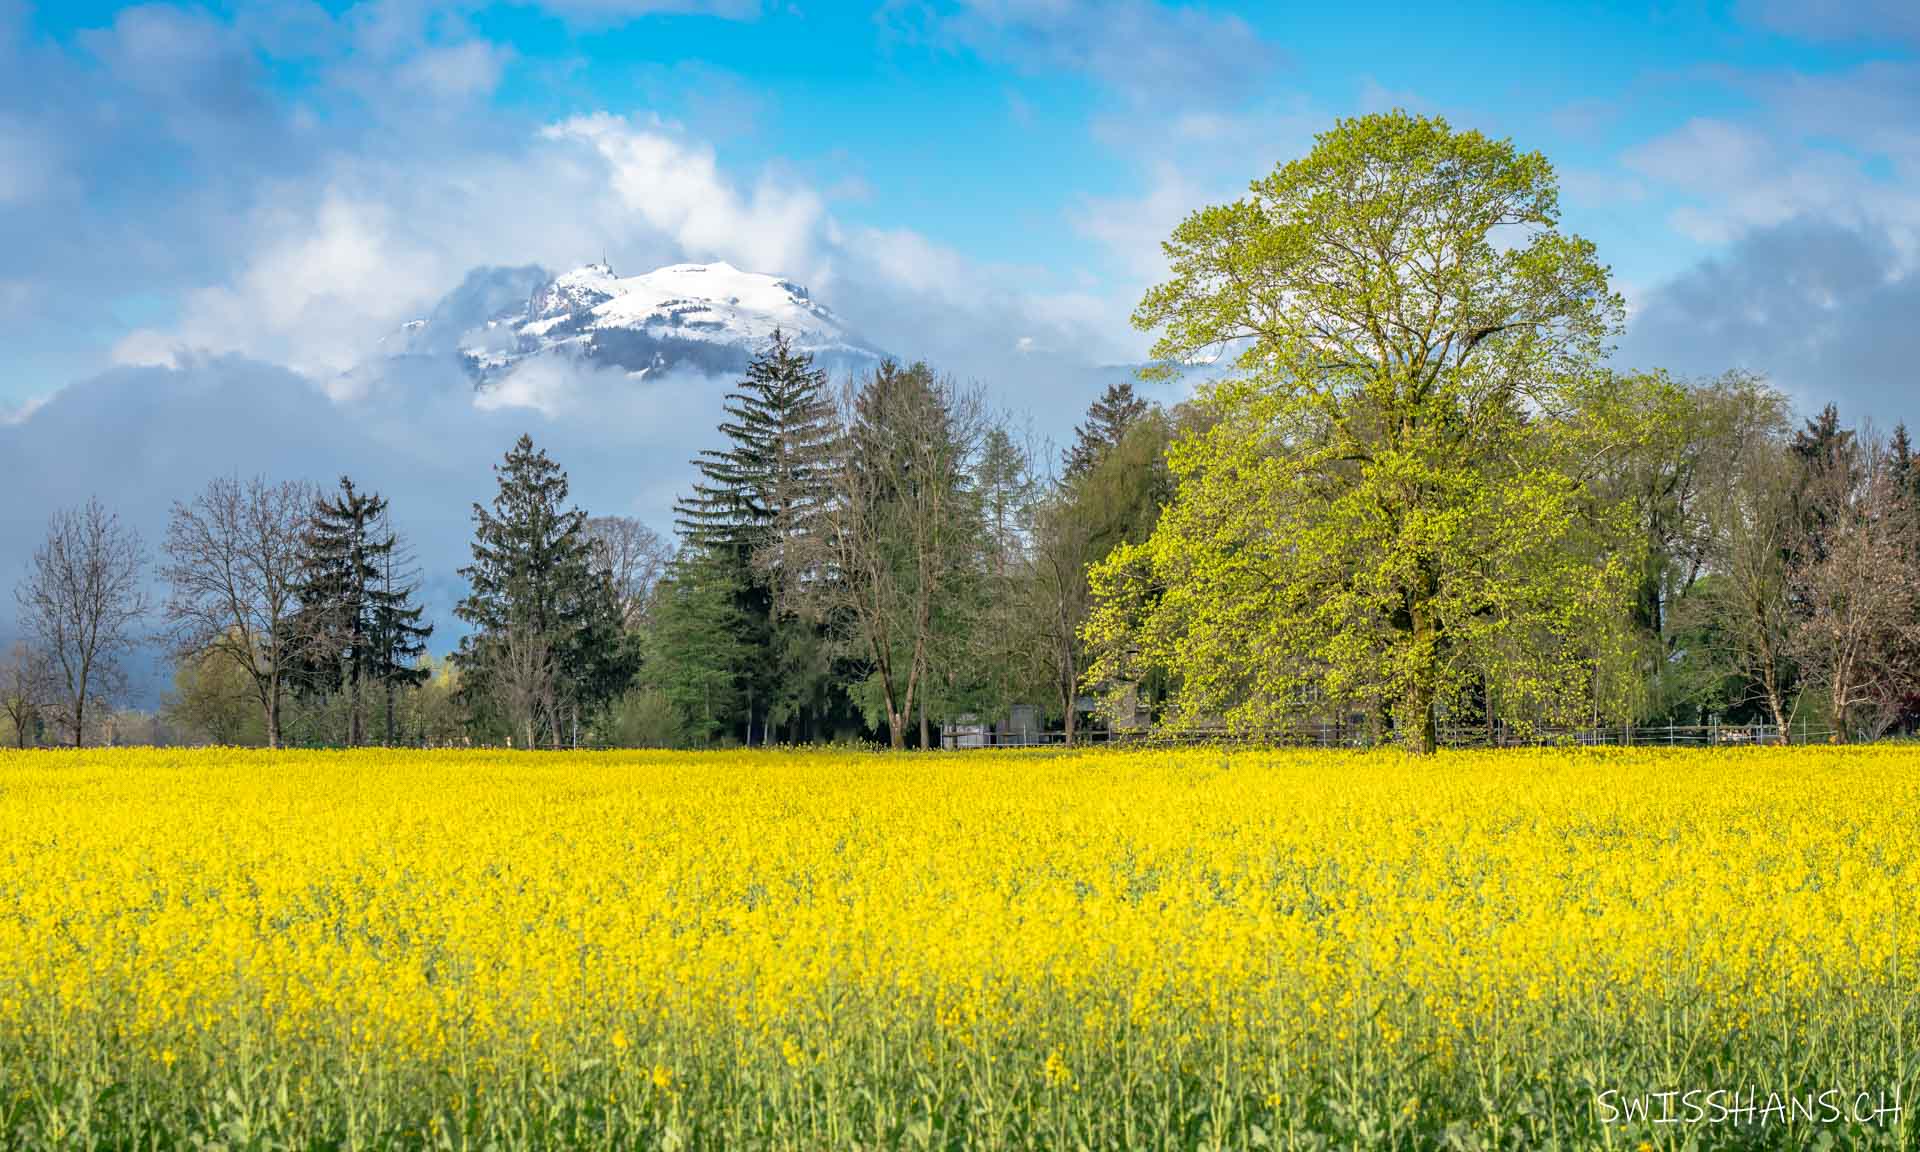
1153,949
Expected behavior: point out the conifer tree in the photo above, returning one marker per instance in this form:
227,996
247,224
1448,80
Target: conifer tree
696,655
334,622
763,488
357,625
754,499
1108,419
1828,457
545,643
398,633
1905,468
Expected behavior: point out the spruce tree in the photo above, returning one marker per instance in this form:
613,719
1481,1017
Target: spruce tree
768,479
1108,419
1823,443
1906,469
398,633
696,655
754,499
338,566
357,624
546,637
1828,460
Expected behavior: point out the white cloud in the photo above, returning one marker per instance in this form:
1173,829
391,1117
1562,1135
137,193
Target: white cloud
676,186
909,260
20,413
1823,309
319,285
1838,19
1132,229
1738,179
149,347
334,264
549,386
1704,153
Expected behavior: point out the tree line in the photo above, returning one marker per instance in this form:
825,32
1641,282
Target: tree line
1411,500
867,560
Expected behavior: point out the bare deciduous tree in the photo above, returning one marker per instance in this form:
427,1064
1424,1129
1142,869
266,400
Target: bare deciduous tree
233,568
80,602
1749,526
524,671
1856,591
1061,599
24,687
633,556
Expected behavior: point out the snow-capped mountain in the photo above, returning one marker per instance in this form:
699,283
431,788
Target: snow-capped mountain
709,318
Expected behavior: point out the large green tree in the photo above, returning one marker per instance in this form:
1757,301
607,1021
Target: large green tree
697,654
546,647
898,542
1381,514
356,626
756,497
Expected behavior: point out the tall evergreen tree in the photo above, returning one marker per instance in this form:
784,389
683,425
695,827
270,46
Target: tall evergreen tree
767,483
1824,442
357,626
1904,467
397,634
696,657
339,555
754,499
545,644
1108,419
1828,457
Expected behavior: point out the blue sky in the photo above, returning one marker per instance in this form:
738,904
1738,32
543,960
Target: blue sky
286,180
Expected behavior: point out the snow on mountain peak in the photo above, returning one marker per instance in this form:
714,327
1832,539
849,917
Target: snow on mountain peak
709,317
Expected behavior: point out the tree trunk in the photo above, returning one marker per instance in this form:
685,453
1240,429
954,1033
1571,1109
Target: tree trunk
1068,689
357,716
925,738
1771,685
896,730
1419,733
273,712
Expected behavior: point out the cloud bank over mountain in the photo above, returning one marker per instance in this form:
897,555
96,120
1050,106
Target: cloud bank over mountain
620,379
141,437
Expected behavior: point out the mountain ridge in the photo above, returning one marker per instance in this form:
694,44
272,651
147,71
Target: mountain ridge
710,318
